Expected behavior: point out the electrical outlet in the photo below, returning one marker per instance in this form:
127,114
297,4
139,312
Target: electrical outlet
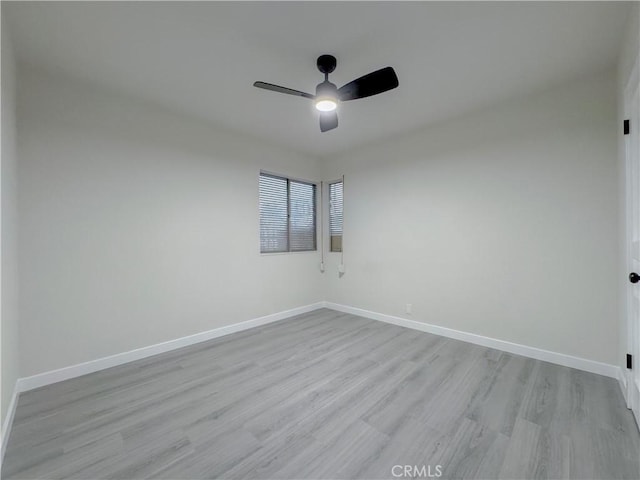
409,309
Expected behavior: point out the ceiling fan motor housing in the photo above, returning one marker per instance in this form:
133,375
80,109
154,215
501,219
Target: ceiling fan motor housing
327,89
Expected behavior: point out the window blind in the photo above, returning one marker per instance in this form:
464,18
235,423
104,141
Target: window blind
274,234
335,215
302,216
287,215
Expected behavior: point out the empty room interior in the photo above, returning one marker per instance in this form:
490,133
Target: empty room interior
320,240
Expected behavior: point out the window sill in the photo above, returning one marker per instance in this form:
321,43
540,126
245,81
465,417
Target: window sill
269,254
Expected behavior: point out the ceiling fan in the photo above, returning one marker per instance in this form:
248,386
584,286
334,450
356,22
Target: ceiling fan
328,96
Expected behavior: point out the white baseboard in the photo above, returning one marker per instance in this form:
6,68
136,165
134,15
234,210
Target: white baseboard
54,376
8,422
524,350
622,380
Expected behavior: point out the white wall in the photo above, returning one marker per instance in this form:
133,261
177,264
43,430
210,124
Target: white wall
138,226
631,44
502,223
8,245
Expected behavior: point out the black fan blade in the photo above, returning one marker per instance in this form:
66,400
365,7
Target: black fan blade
371,84
279,89
328,121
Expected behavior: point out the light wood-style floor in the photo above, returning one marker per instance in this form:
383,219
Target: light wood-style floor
326,395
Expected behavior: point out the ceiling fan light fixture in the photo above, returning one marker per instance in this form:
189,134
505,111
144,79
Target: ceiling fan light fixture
326,104
328,96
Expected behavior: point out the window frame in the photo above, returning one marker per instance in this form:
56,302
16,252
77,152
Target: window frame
289,179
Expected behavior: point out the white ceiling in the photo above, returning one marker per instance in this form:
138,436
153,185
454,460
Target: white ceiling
201,58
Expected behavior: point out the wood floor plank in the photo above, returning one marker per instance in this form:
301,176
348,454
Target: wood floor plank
499,405
326,395
358,444
473,451
535,452
413,444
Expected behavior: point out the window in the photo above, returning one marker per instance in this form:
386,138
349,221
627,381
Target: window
335,216
287,215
